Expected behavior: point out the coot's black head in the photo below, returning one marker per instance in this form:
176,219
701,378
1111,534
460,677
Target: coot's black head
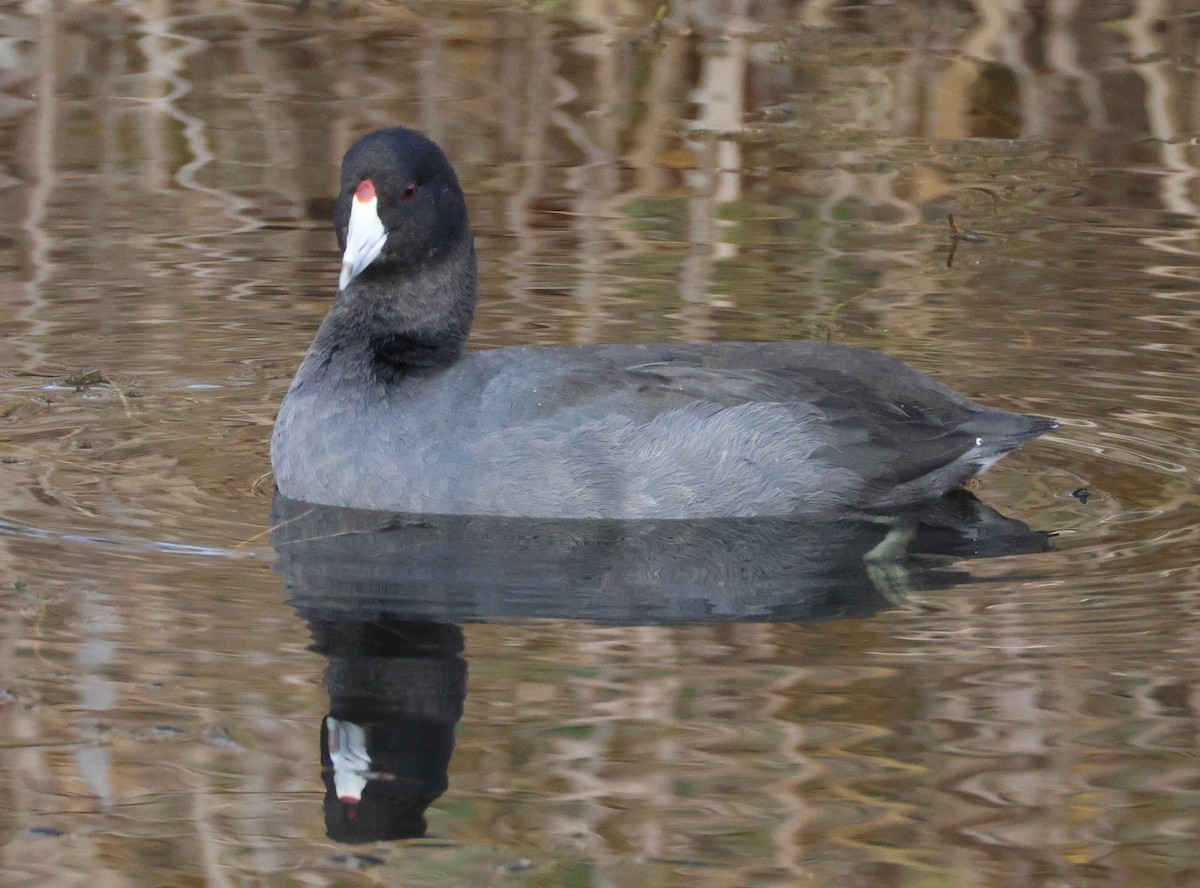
399,206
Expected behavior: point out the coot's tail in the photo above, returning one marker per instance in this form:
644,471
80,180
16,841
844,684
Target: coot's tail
997,432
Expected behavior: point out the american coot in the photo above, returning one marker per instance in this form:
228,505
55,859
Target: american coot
387,412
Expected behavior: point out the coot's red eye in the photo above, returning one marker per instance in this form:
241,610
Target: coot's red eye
410,191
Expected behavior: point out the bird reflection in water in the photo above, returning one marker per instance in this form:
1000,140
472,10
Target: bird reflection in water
385,596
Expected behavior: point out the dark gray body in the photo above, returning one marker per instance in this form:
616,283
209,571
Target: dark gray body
723,429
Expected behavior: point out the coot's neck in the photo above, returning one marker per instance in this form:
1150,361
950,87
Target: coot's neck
389,324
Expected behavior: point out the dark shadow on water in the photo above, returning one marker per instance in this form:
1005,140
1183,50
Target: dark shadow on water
385,595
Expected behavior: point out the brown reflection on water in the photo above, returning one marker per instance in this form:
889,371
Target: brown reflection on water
785,754
776,170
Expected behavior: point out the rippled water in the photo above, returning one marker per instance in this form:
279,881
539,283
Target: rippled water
617,706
